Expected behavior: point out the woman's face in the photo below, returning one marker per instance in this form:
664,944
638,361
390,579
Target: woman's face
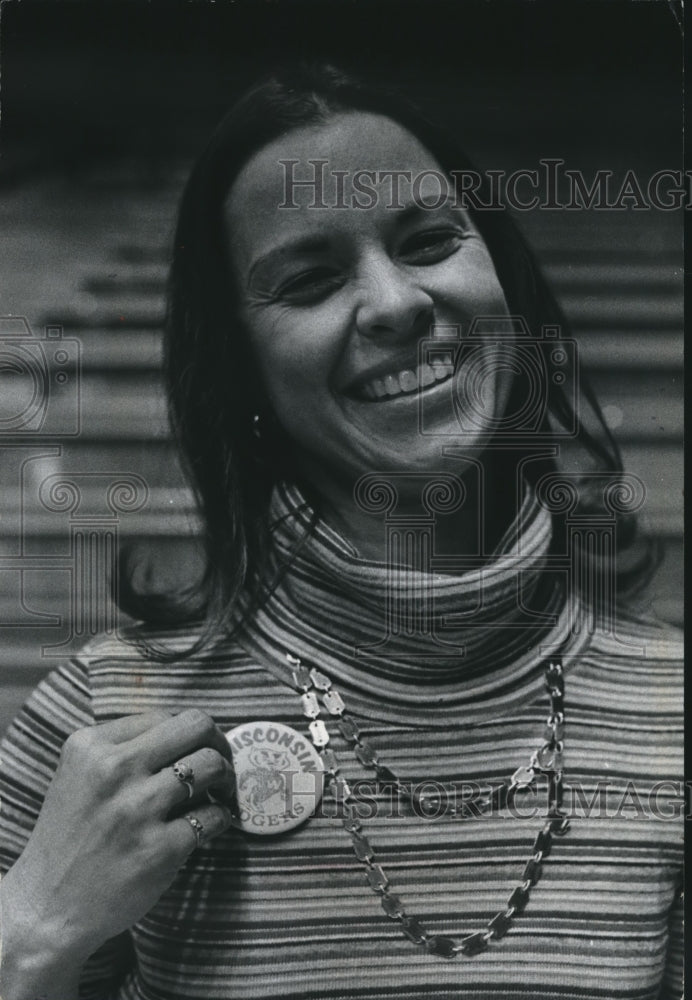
336,300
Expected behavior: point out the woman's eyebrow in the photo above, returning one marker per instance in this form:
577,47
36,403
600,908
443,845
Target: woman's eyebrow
417,208
301,244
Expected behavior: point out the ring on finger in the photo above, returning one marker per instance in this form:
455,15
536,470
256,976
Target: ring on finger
185,775
197,828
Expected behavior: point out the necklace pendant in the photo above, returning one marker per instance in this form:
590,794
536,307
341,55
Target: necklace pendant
333,702
413,929
279,777
474,944
523,777
318,732
348,728
444,947
311,709
351,823
301,677
499,925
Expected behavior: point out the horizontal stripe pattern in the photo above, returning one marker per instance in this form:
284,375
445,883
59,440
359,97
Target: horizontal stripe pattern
292,916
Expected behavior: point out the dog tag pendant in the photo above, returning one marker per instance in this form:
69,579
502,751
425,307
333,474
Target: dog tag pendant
279,777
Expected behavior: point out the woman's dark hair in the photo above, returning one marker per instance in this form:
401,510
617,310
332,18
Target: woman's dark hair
213,388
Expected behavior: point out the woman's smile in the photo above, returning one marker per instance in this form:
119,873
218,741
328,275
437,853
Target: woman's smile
410,380
339,303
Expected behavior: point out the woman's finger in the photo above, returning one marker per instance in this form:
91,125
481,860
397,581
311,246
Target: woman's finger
128,727
177,736
191,777
198,826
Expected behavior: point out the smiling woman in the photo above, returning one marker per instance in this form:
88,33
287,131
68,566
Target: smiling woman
336,303
412,644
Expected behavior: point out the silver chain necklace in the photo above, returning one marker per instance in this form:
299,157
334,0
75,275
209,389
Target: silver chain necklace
315,687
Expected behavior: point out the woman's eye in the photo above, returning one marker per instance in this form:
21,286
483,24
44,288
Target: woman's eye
310,286
432,245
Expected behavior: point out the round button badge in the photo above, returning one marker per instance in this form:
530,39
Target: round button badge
279,777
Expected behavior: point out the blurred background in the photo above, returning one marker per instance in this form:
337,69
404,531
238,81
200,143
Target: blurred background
104,107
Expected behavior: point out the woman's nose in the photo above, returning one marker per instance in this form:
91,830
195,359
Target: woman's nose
392,304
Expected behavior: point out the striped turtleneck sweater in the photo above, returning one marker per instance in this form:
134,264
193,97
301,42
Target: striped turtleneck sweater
293,916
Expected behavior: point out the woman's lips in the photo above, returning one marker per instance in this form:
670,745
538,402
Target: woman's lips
407,381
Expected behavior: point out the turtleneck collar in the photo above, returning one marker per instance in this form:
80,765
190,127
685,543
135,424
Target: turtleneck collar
469,638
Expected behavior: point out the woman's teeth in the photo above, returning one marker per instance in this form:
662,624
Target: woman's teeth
409,380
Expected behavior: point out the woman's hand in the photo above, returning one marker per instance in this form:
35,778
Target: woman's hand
112,835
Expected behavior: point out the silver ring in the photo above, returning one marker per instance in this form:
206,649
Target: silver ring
197,828
186,775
